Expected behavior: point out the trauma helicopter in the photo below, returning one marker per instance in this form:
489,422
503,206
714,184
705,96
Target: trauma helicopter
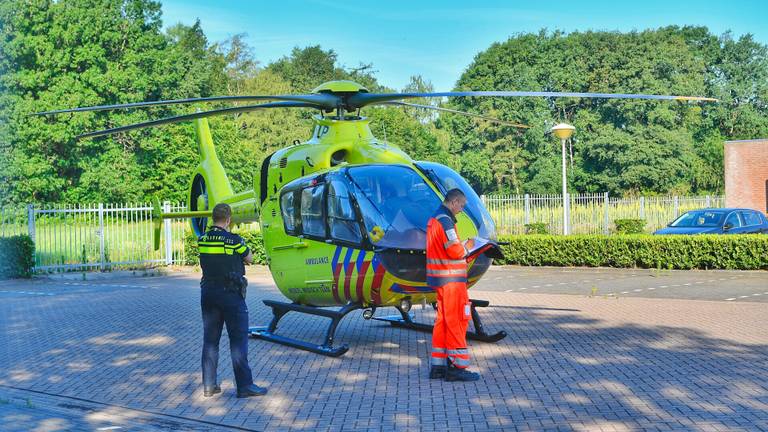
344,214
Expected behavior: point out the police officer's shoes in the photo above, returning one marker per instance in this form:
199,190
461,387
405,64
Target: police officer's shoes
437,372
251,390
456,374
210,391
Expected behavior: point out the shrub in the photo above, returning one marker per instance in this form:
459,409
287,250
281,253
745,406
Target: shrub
17,257
252,238
630,226
536,228
742,252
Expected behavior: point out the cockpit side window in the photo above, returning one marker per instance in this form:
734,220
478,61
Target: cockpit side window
342,219
312,220
288,209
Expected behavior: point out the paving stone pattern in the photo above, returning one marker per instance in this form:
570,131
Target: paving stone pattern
571,363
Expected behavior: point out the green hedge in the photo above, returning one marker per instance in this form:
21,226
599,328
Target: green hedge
252,239
743,252
17,257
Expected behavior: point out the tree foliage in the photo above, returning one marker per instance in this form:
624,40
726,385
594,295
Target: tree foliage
621,146
58,54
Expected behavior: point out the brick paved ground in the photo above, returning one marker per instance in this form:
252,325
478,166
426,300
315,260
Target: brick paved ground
570,363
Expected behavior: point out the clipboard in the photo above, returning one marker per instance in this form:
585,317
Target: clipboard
483,246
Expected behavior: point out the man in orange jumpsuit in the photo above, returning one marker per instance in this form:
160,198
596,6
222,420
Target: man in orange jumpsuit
447,273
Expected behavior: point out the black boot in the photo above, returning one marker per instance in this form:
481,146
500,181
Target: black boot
210,391
456,374
251,390
437,372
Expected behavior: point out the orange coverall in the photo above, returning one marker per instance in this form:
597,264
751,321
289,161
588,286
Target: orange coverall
447,273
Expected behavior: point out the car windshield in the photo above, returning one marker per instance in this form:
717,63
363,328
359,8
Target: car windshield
396,204
699,218
448,179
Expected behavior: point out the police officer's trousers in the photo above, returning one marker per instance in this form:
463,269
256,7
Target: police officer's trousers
221,306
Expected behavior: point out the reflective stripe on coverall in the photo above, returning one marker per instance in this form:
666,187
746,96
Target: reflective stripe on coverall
447,273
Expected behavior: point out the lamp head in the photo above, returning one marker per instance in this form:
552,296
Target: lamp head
563,130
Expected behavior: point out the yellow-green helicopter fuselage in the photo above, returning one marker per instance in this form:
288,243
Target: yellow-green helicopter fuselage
319,266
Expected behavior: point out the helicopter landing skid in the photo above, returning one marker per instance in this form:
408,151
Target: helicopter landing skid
279,309
406,321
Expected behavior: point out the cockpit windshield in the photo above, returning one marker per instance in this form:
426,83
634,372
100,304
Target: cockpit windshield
395,203
447,179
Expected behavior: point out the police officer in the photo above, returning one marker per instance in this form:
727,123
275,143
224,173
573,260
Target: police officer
447,273
223,256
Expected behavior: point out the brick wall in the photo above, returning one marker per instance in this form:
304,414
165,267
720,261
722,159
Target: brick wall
746,174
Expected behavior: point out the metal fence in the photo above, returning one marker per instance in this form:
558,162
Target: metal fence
589,213
120,236
96,236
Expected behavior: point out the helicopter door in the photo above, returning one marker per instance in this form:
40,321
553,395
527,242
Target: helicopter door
316,256
285,266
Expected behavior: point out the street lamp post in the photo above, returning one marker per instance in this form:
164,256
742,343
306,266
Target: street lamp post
564,131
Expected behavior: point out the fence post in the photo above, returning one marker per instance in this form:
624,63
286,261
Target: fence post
606,221
31,221
527,206
642,207
101,237
677,208
168,236
709,204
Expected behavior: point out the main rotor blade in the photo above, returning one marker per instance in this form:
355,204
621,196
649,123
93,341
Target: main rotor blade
464,113
197,115
362,99
322,100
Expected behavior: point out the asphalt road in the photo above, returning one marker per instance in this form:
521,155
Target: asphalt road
718,285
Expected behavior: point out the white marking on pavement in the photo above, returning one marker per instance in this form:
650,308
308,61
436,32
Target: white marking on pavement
743,296
663,286
651,289
638,290
730,299
625,292
26,292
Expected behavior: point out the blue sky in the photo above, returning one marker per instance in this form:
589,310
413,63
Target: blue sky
438,39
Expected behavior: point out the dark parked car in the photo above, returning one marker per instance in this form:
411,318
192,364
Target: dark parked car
718,221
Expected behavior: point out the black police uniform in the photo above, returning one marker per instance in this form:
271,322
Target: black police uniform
223,301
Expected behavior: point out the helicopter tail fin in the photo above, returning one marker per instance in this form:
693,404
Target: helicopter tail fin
158,217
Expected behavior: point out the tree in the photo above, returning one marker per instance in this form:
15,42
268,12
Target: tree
93,52
622,146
